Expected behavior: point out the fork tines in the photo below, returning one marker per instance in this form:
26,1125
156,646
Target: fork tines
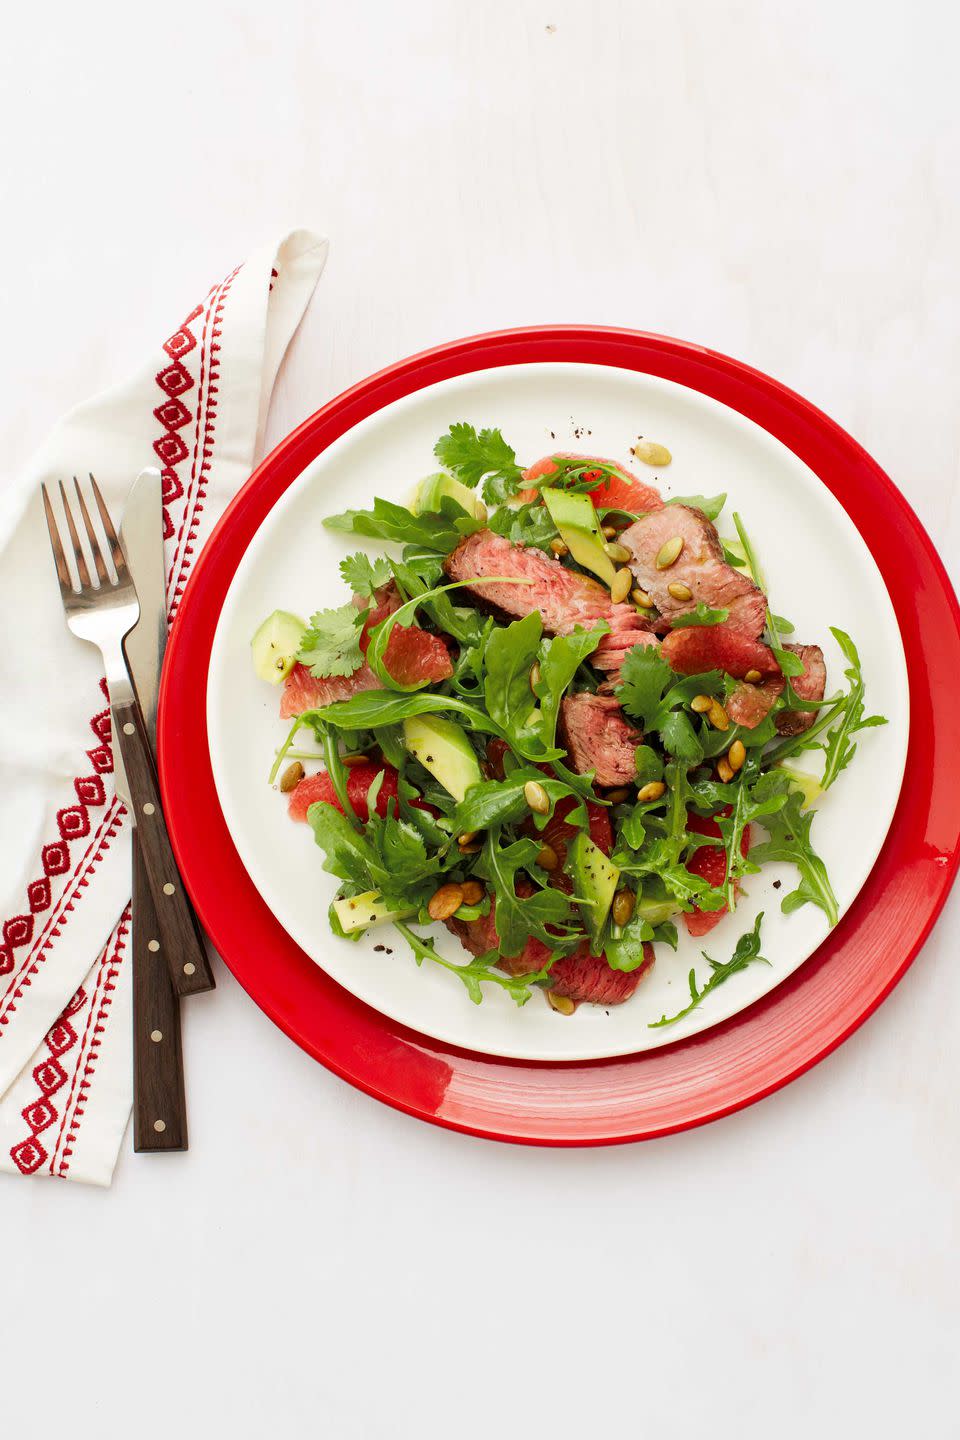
97,551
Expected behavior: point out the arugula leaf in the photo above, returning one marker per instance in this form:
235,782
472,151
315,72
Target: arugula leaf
478,972
747,952
439,531
364,575
509,656
474,456
710,505
649,766
371,709
790,664
789,830
701,615
464,624
501,802
519,918
624,944
529,524
839,747
388,855
560,659
331,643
656,845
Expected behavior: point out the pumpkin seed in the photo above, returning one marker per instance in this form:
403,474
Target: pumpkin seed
622,582
291,777
679,591
752,676
618,794
669,552
651,453
445,901
548,859
536,797
534,676
736,756
717,716
609,532
651,791
473,892
617,552
700,704
352,761
561,1003
559,547
623,906
724,770
641,598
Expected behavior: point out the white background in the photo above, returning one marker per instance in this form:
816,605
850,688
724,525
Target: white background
774,179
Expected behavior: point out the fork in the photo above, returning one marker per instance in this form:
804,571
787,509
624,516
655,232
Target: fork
102,612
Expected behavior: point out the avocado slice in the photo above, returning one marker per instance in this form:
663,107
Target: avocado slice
808,785
576,519
595,881
357,912
442,747
275,646
431,491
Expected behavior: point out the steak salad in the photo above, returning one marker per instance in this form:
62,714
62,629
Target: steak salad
558,718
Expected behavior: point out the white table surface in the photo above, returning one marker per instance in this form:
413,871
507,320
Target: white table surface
774,179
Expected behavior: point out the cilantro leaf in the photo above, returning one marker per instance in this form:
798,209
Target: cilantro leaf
364,575
331,643
530,525
644,677
701,615
486,456
747,952
709,505
651,692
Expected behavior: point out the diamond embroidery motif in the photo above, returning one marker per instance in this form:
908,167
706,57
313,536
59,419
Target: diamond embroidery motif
73,823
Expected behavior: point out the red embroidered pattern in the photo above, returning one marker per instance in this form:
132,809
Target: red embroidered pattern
50,1076
75,822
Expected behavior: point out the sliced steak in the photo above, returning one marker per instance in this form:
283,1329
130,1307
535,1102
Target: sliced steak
749,704
598,736
564,597
700,566
614,649
809,686
588,978
696,648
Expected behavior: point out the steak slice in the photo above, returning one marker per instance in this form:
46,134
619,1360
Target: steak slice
598,736
565,598
749,704
701,567
809,686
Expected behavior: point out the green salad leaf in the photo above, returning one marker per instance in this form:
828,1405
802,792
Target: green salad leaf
710,505
700,615
480,970
747,952
364,575
331,643
474,456
440,530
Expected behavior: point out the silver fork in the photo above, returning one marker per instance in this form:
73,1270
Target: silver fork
102,610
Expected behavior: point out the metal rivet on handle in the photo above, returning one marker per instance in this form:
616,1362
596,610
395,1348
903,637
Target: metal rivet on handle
156,1036
129,728
189,968
159,1126
149,808
169,889
153,945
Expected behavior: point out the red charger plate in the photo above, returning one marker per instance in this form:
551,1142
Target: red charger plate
695,1080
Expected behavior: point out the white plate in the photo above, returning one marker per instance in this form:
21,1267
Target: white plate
820,574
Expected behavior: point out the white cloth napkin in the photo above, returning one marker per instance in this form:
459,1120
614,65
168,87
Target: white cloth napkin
198,409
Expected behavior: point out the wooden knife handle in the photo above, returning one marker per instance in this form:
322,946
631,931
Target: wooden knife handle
181,944
159,1106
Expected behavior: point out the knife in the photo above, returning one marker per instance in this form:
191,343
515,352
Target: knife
141,534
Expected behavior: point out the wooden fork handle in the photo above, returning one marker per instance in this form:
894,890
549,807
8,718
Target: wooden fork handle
159,1105
180,941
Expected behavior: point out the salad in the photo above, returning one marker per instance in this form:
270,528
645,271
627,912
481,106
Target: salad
558,717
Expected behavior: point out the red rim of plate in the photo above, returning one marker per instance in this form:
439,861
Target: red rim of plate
664,1090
